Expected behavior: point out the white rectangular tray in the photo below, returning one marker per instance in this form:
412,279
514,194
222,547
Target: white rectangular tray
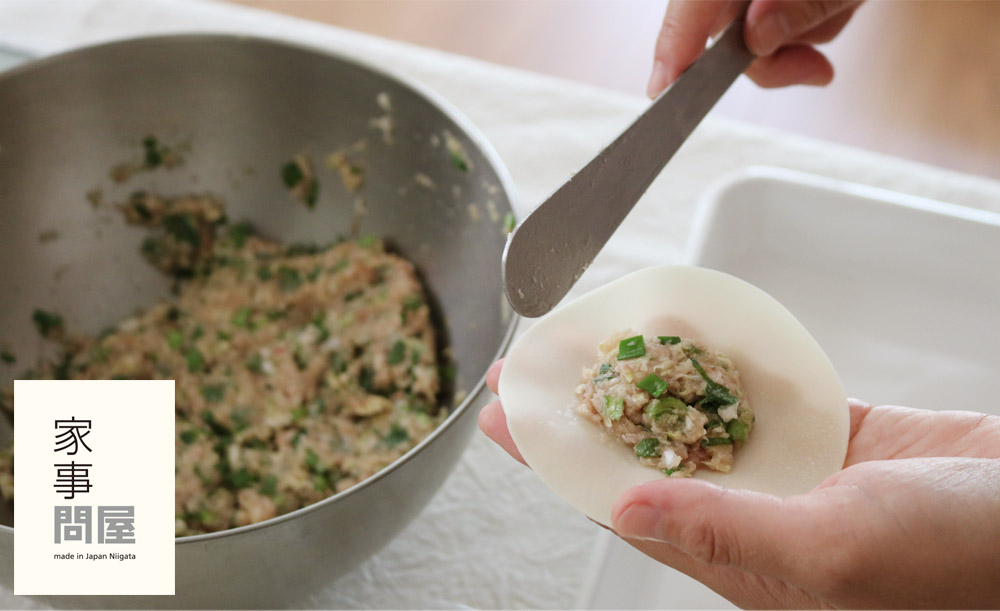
902,293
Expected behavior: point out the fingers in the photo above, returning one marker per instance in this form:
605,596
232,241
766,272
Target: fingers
493,376
791,65
774,23
686,27
751,531
780,32
493,422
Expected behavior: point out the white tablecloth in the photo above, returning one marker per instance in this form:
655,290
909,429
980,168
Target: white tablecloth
494,536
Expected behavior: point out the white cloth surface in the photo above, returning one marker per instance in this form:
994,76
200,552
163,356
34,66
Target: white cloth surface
494,536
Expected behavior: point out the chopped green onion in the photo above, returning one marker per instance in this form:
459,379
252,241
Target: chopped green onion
289,279
509,222
632,347
255,363
242,478
668,339
312,194
47,323
397,353
291,174
213,393
664,407
154,155
458,161
175,339
183,228
716,441
396,435
604,373
654,385
716,395
242,318
738,430
269,487
614,407
312,460
648,448
239,233
669,472
195,361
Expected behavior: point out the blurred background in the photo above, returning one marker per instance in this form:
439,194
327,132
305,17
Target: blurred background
918,79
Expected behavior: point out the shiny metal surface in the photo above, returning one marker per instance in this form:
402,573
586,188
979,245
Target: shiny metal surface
553,246
243,107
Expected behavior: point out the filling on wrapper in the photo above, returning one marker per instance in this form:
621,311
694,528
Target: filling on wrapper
675,402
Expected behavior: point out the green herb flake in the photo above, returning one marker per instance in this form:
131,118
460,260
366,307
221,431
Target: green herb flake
291,174
242,478
716,395
195,360
458,161
213,393
242,318
301,361
604,373
367,241
47,323
648,448
411,304
312,194
264,273
183,228
614,407
738,430
366,379
716,441
654,385
397,353
239,233
255,363
631,347
669,472
189,436
396,436
312,460
666,406
509,222
447,371
289,279
239,420
668,339
153,152
269,487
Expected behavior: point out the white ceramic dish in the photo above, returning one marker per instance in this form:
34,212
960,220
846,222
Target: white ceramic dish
901,293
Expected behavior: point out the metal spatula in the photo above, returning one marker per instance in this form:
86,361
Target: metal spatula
553,246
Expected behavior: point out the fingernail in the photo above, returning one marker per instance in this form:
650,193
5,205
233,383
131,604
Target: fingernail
639,522
657,80
768,34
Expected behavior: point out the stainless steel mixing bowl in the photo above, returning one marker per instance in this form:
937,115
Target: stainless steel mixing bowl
245,106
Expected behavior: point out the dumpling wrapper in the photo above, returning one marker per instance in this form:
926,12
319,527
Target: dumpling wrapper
802,423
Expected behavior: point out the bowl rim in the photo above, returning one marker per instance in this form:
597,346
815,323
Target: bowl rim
435,99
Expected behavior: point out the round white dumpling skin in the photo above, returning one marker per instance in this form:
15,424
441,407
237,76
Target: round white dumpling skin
802,425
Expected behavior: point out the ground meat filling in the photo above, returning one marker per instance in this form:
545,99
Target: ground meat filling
676,403
300,371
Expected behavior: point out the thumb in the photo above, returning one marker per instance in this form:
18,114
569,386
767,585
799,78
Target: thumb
751,531
771,24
